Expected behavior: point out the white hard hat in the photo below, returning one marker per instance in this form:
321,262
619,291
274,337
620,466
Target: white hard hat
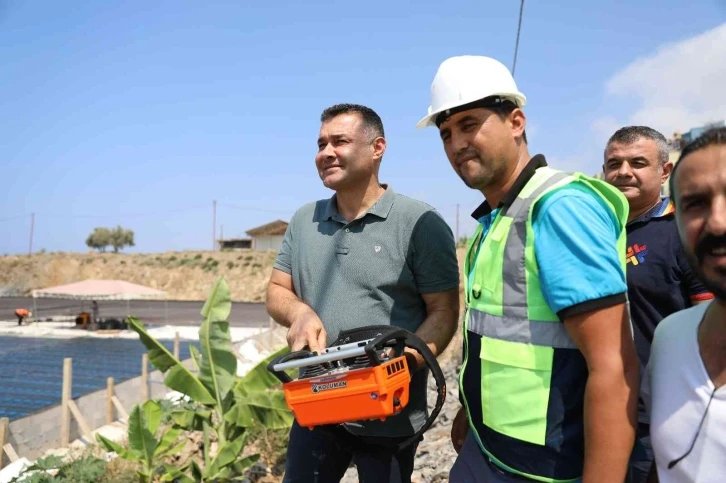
468,78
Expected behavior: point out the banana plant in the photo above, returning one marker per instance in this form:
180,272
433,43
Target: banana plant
145,446
226,405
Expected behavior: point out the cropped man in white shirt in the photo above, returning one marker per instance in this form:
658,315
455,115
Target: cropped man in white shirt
685,382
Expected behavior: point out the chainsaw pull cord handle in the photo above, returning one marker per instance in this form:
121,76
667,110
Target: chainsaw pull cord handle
290,356
413,341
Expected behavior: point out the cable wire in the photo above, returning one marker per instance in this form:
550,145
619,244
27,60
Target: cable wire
121,215
251,208
14,217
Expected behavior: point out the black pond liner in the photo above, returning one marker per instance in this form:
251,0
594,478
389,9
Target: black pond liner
31,369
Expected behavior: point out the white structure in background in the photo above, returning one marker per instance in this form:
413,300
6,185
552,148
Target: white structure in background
265,237
99,290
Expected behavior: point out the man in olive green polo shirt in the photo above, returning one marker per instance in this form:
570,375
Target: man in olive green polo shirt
366,256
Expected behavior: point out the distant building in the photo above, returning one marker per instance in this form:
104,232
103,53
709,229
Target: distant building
269,236
679,141
235,243
265,237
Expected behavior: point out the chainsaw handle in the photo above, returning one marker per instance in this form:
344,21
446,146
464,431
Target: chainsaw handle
420,346
406,338
290,356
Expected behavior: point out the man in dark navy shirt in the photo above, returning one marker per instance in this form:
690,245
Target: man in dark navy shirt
660,281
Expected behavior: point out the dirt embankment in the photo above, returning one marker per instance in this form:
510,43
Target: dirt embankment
184,275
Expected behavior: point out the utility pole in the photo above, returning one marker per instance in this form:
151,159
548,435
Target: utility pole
457,223
32,226
214,225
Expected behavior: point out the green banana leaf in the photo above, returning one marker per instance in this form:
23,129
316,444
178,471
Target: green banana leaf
141,440
239,415
224,474
176,475
219,302
218,367
268,409
173,450
179,377
190,419
196,472
117,448
165,446
240,466
196,357
226,456
153,412
259,378
144,474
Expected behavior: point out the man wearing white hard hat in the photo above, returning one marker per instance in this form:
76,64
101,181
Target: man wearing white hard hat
549,380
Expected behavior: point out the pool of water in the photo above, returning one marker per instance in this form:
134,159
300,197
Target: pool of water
31,369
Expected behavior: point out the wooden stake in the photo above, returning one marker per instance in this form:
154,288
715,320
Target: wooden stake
109,401
12,455
144,377
79,419
4,436
120,408
65,432
176,345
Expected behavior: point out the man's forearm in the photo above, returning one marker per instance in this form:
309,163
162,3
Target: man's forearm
283,305
610,421
439,327
437,330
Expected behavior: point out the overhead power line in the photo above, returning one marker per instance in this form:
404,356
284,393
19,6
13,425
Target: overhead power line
519,29
132,215
121,215
252,208
13,217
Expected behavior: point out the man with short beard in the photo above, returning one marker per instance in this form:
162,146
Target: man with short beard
660,280
684,384
365,256
549,381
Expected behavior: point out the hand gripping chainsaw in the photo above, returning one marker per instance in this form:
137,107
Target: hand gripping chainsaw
363,375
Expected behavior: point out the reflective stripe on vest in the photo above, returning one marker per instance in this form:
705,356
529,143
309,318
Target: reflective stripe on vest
550,334
514,296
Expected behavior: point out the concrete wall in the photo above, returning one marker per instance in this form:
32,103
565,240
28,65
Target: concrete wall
33,435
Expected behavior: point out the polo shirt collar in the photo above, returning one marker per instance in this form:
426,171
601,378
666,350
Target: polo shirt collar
381,208
662,209
537,161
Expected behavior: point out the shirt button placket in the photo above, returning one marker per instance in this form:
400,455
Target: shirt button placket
343,248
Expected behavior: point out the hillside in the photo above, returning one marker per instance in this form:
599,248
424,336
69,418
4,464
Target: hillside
184,275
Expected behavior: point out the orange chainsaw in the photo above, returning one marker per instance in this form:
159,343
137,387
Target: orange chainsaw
363,375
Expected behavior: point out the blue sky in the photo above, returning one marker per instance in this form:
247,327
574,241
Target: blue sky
142,113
